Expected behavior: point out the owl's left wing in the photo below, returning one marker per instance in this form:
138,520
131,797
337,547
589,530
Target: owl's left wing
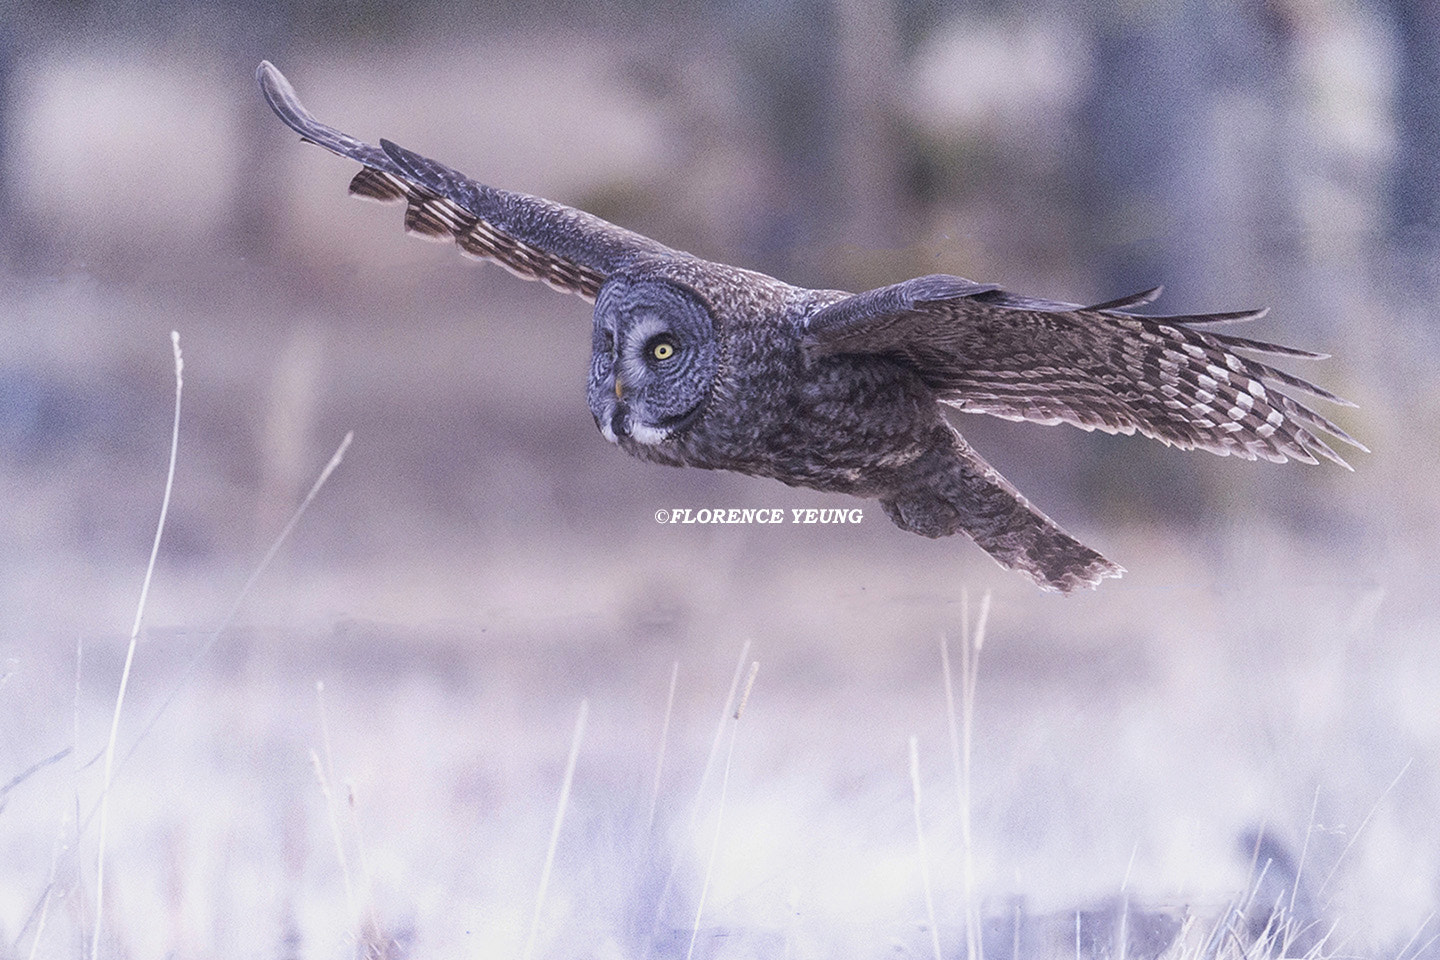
534,238
1099,367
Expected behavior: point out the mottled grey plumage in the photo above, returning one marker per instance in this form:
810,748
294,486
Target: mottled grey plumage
702,364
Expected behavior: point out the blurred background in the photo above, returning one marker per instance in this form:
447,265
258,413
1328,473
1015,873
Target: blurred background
483,560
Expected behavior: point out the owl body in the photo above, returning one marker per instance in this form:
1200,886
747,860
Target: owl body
702,364
764,406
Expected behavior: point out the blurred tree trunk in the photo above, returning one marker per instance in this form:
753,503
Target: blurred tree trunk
787,76
1183,151
866,175
819,77
9,235
1182,183
1414,195
255,31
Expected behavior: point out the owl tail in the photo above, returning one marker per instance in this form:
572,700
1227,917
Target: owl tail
951,489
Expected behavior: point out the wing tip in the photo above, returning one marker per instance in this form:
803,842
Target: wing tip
278,91
283,99
1088,577
1126,303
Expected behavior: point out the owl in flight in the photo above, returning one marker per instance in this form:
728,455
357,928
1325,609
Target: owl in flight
701,364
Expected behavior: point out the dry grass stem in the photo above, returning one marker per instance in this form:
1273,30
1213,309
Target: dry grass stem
244,593
1416,936
962,732
1363,824
1122,936
920,844
1304,847
358,892
720,808
660,754
31,770
366,886
323,779
745,694
719,737
664,897
108,777
555,829
42,909
1290,929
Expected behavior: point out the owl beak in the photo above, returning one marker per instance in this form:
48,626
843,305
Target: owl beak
617,386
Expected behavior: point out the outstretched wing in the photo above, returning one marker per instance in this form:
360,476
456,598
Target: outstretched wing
570,250
1100,367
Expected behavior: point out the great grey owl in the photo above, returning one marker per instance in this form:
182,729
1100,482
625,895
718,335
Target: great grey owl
701,364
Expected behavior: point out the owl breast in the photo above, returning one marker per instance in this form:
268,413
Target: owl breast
841,423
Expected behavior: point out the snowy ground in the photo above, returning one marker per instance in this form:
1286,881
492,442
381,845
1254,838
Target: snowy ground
1124,742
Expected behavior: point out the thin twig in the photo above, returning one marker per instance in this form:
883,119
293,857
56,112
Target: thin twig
951,715
749,685
130,653
1322,945
1304,848
555,829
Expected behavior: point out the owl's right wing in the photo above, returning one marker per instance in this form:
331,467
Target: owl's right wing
1100,367
534,238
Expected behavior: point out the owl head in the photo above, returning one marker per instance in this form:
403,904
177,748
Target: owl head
653,359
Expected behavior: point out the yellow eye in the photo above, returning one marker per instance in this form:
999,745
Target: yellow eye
663,350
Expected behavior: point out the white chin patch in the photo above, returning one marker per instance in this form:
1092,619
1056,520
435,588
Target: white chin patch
639,432
649,436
